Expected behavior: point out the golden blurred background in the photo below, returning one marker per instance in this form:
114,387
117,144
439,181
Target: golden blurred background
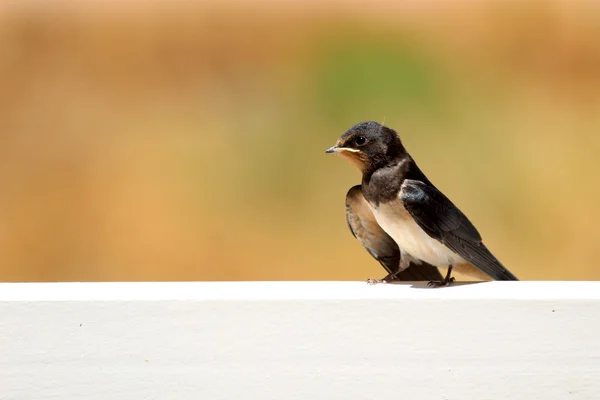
185,140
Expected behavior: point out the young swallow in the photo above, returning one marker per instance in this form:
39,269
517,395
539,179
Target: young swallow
403,220
380,245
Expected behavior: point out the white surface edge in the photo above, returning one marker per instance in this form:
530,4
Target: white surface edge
297,290
299,340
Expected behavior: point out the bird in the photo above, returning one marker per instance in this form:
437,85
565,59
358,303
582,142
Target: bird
403,220
380,245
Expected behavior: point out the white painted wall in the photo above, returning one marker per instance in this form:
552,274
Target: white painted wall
300,340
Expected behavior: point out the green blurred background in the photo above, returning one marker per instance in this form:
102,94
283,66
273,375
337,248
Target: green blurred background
184,141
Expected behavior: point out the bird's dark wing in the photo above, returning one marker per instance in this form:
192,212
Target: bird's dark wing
379,244
443,221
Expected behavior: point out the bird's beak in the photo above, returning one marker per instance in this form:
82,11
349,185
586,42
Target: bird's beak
337,149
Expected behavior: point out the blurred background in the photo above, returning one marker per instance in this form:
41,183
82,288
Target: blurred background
172,140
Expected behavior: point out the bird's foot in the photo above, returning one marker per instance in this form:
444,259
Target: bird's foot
445,282
372,281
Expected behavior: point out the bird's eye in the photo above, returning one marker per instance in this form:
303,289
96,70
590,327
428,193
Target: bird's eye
360,140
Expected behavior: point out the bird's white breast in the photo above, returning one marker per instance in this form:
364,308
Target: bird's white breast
412,240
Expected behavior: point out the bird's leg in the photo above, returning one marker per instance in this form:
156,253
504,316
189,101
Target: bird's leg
385,279
404,263
390,277
447,280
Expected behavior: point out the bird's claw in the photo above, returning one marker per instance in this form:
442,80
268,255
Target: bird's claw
372,281
445,282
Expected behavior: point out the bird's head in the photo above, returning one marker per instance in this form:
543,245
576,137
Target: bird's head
369,146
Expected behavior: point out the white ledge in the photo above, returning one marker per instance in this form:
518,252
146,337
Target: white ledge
300,340
253,291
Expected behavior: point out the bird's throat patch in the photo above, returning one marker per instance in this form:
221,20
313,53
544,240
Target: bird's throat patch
357,158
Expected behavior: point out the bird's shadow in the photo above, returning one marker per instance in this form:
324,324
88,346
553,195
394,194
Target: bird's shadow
425,285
